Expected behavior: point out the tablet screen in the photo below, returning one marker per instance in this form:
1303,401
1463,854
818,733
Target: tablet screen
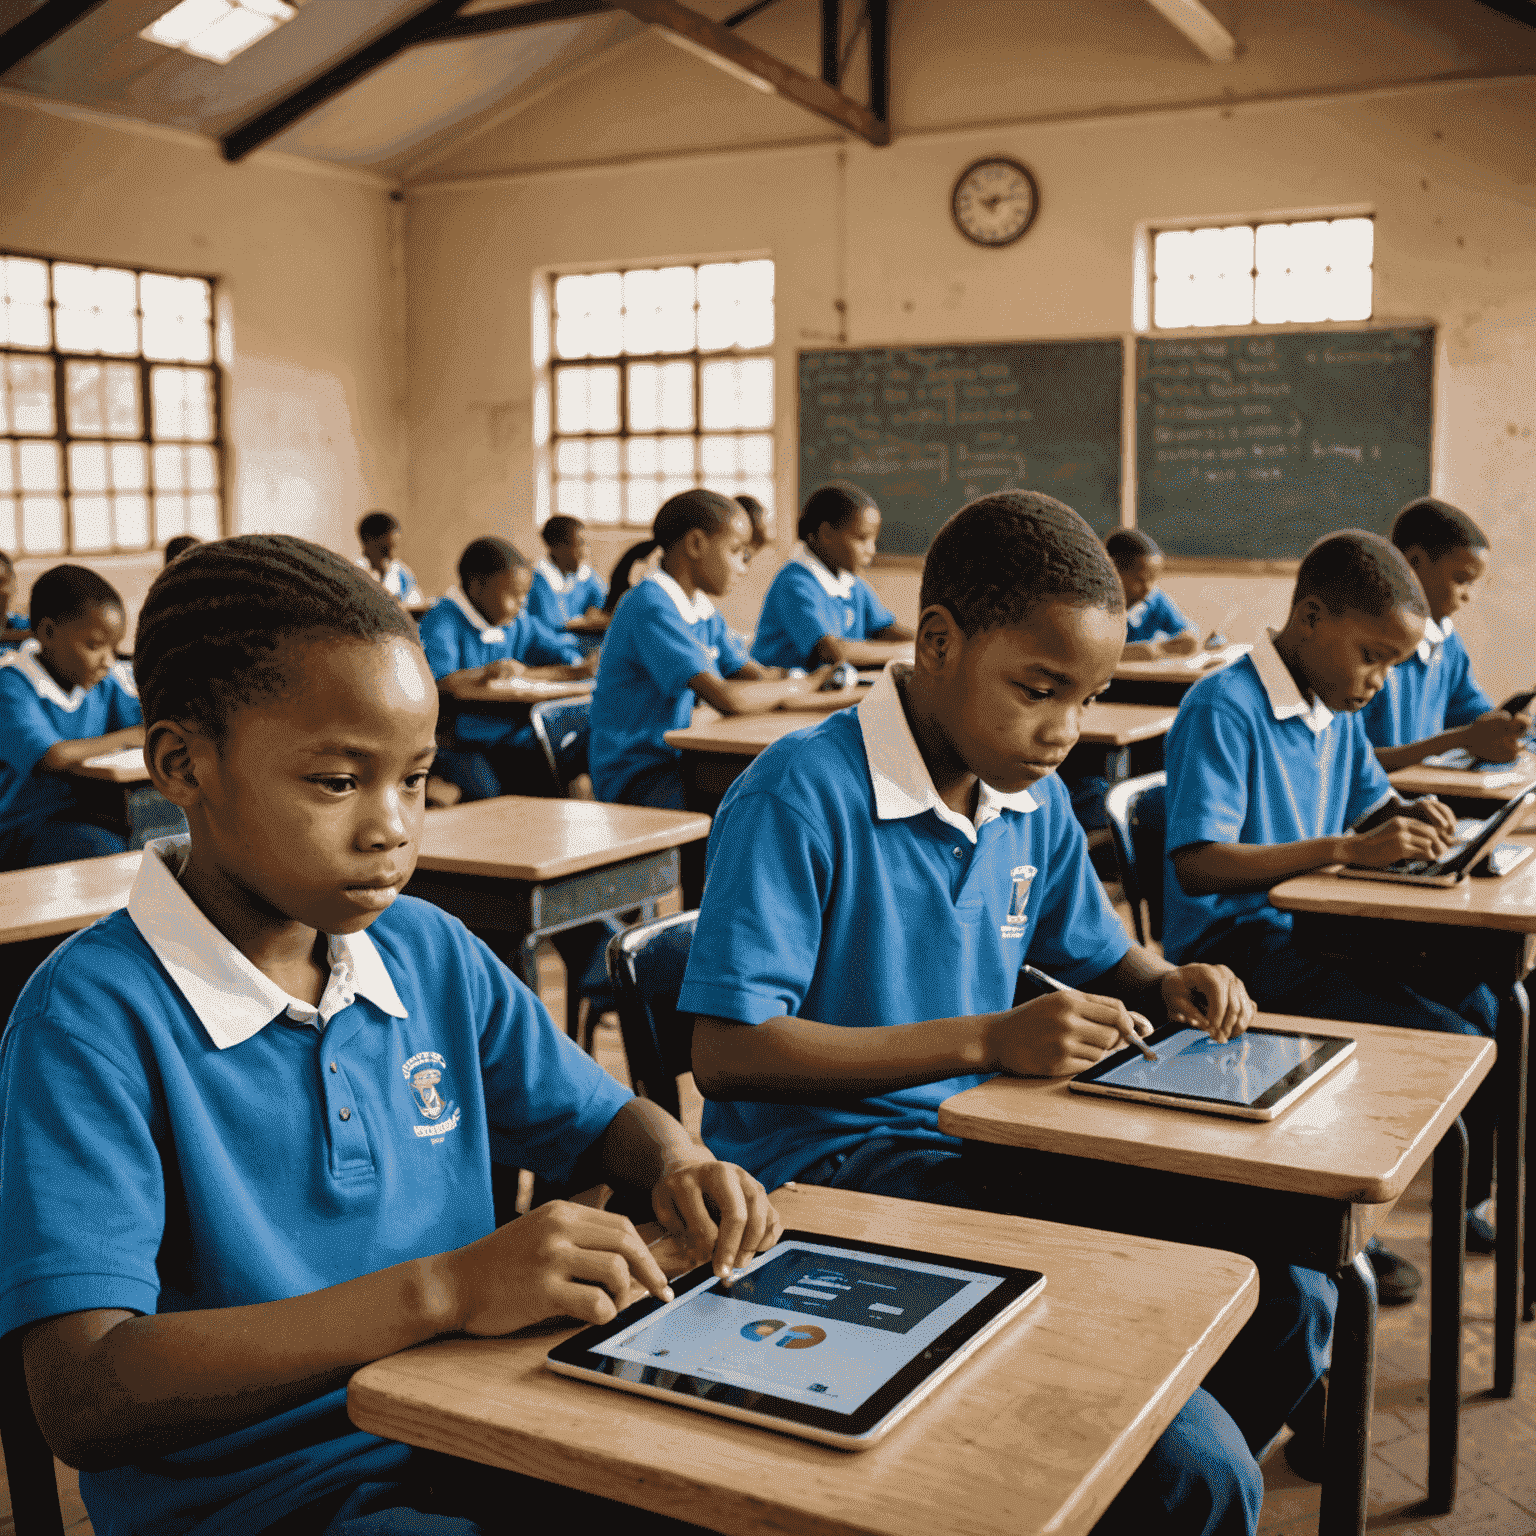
809,1322
1190,1063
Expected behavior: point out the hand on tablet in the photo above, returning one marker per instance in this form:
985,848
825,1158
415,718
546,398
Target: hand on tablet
1208,997
1061,1034
717,1211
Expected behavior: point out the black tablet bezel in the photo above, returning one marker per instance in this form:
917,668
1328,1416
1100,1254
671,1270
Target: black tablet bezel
1281,1088
689,1390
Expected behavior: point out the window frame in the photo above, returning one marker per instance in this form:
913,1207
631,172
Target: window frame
59,358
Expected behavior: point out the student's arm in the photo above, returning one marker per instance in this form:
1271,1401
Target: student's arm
735,696
64,755
865,653
1208,997
1495,737
1186,643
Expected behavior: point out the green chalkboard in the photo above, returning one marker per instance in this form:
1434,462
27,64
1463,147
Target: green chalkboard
1255,446
926,429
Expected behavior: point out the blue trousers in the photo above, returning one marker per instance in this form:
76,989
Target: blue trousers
660,786
1200,1477
57,840
485,770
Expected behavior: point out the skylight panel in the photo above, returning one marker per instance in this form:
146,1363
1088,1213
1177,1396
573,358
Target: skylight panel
217,29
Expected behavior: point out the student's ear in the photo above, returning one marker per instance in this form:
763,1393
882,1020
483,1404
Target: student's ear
695,544
46,630
170,752
939,638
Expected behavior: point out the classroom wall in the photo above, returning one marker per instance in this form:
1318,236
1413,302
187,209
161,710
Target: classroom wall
310,294
867,255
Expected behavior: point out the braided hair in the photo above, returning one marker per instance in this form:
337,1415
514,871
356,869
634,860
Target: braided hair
212,626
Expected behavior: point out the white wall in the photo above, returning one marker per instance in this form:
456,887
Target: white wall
310,297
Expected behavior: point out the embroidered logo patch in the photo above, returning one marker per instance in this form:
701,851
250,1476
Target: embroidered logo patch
424,1072
1018,901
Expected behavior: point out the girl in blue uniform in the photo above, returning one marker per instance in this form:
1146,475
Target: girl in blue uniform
819,609
1154,627
263,1156
567,593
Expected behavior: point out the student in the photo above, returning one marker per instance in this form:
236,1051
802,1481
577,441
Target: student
1431,702
17,626
379,534
1270,775
480,631
64,697
667,645
1153,626
266,1156
634,565
875,884
177,547
758,514
565,588
819,608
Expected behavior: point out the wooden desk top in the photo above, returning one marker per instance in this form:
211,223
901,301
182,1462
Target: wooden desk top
1179,669
517,837
61,898
1467,783
517,690
1118,725
1359,1136
126,767
1035,1433
1508,904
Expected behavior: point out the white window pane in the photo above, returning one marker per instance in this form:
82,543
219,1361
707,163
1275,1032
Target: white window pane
30,395
676,392
718,458
7,468
1351,297
202,470
170,517
658,310
588,322
571,498
641,499
128,466
570,457
131,517
84,408
88,467
42,525
8,540
757,456
603,458
203,516
755,304
540,414
93,522
177,317
603,502
644,397
96,308
183,403
170,473
735,304
1354,242
38,464
23,302
587,399
1170,253
738,393
677,458
643,456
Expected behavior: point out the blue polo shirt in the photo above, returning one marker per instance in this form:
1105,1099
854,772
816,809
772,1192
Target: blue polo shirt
455,636
180,1134
556,598
805,602
37,713
399,580
659,639
1154,618
842,889
1432,691
1250,761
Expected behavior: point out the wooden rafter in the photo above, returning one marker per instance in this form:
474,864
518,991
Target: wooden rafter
40,27
510,18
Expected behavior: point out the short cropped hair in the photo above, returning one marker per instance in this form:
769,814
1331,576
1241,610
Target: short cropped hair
833,503
212,625
69,591
489,556
1359,570
177,547
561,530
1436,527
708,511
1001,555
376,524
1130,546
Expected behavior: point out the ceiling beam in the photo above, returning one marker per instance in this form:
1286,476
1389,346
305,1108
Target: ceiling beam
509,18
239,142
721,47
831,41
39,28
747,12
1200,27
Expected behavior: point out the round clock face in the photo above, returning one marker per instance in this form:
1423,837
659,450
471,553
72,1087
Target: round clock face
994,201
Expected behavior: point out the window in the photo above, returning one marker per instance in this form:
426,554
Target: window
109,409
661,380
1269,274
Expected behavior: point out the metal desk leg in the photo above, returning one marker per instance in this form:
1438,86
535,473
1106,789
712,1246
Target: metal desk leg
1528,1313
1508,1287
1351,1391
1448,1253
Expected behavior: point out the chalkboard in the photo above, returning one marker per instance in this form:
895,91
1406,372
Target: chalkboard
1255,446
926,429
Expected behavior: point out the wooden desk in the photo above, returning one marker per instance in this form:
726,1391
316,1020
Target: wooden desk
1469,792
1308,1188
126,767
1166,681
1036,1433
515,692
1483,928
1119,741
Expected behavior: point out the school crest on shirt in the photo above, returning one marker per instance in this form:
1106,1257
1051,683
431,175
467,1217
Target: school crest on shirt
1022,877
426,1073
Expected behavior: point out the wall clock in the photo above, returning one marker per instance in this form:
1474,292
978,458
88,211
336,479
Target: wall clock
994,201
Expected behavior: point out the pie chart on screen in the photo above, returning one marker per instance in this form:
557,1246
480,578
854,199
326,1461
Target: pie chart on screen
802,1336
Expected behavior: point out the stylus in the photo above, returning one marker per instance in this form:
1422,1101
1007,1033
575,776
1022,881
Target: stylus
1136,1018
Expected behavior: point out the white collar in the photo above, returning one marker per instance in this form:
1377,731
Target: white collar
231,998
1136,614
491,634
558,578
1285,700
694,609
24,659
1435,635
903,786
833,586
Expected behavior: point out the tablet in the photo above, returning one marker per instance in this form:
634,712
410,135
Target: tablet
828,1338
1253,1077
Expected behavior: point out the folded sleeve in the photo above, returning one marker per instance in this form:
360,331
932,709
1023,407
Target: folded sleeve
1208,755
28,733
670,651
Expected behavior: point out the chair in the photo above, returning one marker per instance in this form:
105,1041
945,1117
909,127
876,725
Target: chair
562,727
646,964
1137,813
29,1470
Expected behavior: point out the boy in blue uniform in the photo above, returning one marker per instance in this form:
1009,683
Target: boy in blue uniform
876,883
818,608
478,632
565,587
667,646
379,534
1154,627
275,1088
64,697
1270,774
1431,702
